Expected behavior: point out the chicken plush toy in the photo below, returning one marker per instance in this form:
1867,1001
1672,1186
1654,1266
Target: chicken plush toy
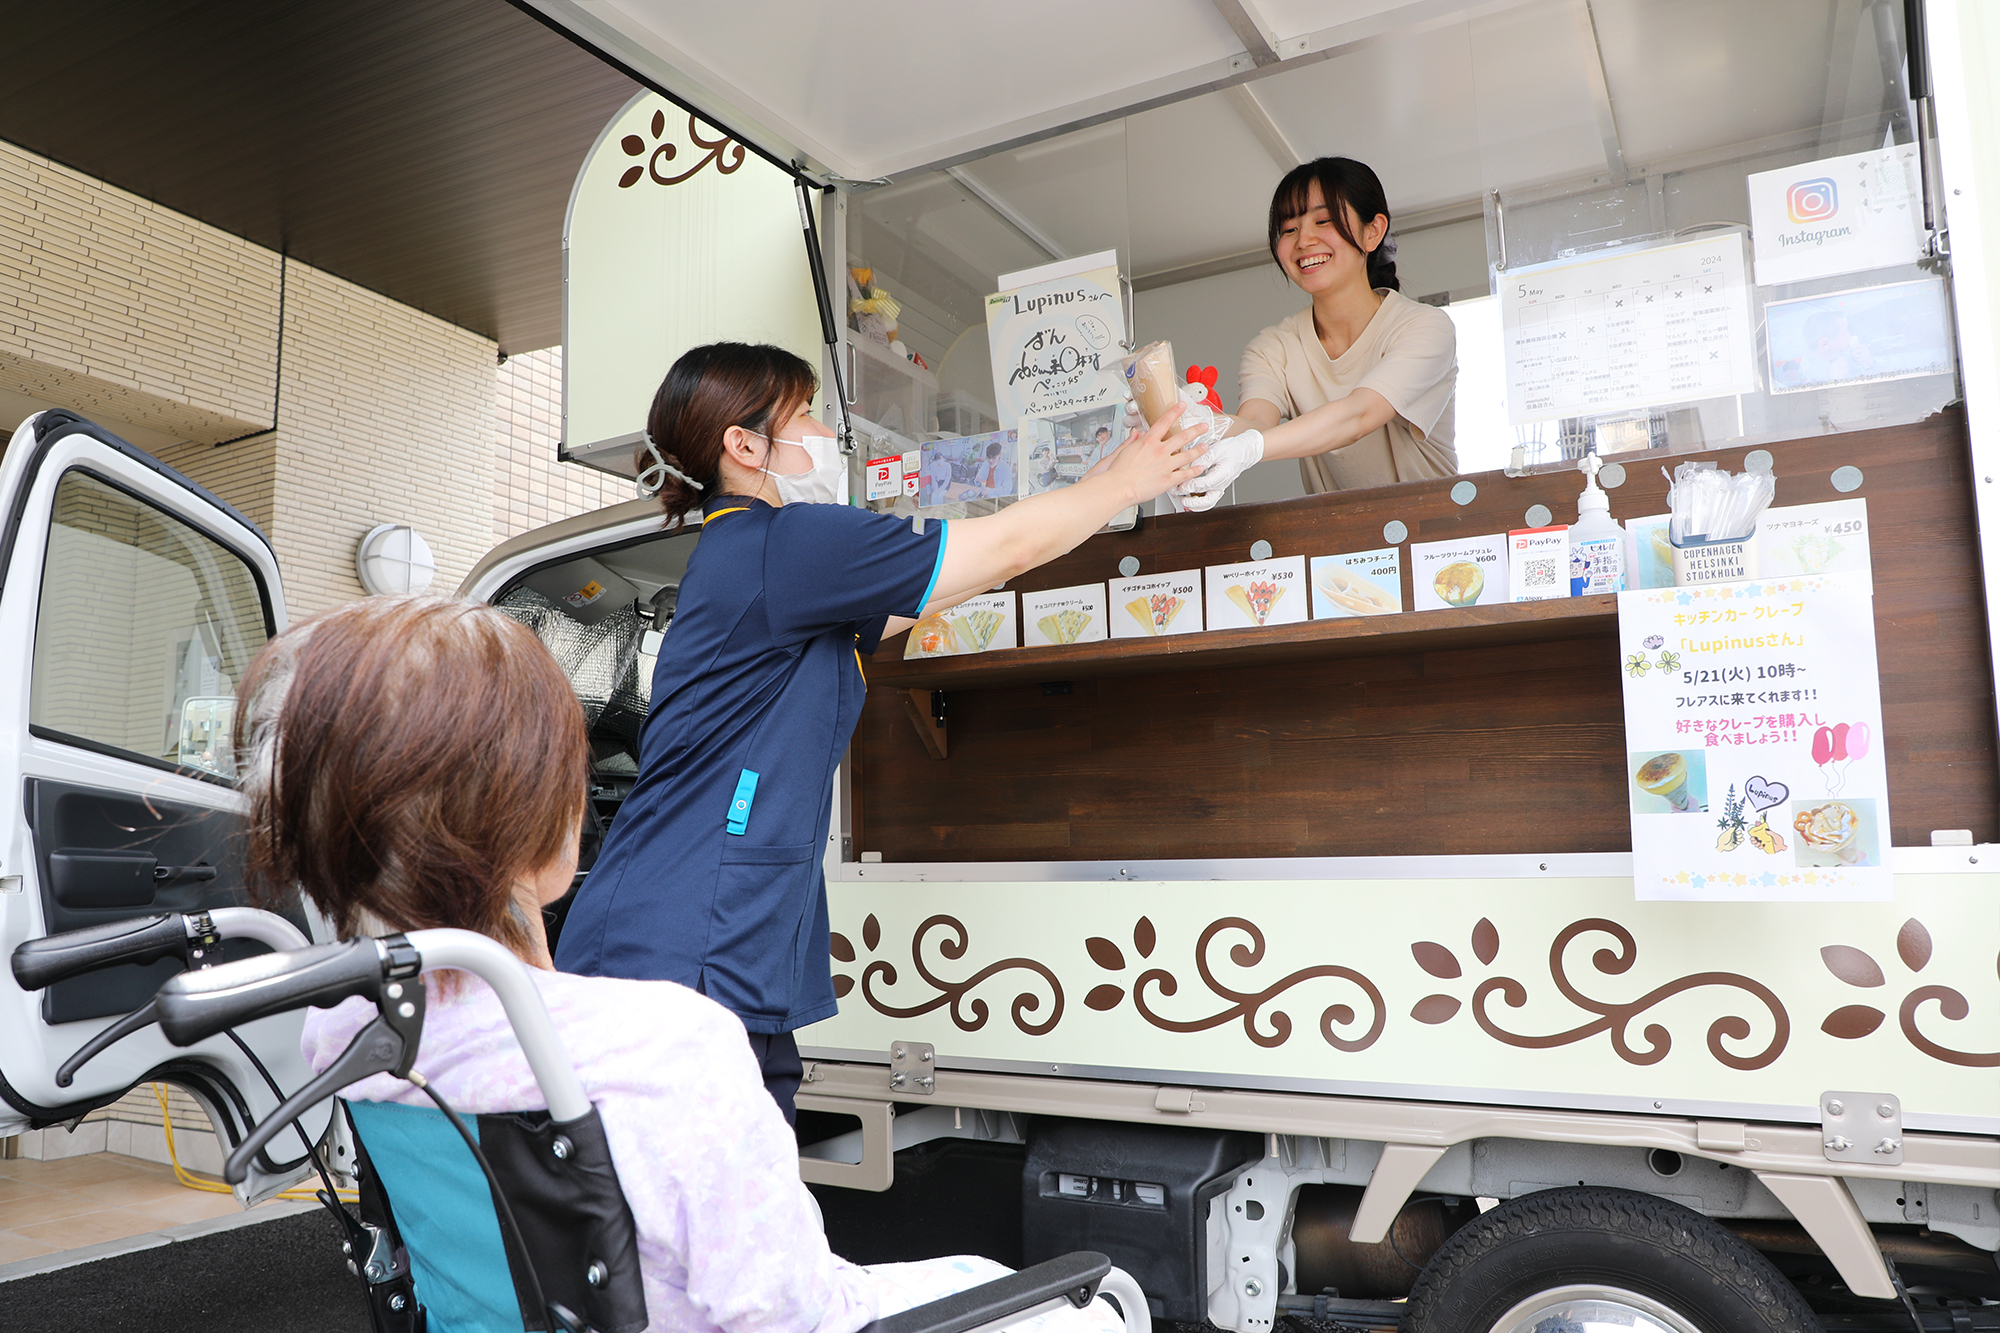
1205,377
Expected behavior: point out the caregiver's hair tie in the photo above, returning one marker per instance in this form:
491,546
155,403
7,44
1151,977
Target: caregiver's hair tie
653,478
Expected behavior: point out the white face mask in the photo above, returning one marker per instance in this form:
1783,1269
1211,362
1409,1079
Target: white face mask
820,482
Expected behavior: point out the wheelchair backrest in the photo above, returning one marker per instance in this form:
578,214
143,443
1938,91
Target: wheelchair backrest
564,1193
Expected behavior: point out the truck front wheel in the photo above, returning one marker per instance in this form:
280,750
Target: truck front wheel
1565,1259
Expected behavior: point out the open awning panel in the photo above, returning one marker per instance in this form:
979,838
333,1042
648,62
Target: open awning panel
877,88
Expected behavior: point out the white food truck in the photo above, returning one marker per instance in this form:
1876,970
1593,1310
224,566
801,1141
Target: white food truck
1305,968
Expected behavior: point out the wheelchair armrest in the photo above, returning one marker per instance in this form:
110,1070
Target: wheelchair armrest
196,1005
53,958
1071,1277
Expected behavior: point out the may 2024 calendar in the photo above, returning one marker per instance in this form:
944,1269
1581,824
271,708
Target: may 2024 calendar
1628,329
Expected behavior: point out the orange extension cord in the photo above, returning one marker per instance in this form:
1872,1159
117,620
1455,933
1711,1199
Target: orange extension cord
300,1193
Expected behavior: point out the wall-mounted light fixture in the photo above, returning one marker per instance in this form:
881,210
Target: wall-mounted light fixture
392,558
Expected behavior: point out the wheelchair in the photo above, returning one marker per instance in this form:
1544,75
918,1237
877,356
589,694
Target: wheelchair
490,1221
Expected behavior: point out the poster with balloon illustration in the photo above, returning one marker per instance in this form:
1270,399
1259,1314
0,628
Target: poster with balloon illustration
1753,737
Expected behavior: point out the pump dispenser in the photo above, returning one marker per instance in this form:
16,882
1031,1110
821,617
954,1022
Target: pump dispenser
1596,542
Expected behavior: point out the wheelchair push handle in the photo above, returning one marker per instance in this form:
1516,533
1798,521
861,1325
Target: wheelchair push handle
53,958
197,1005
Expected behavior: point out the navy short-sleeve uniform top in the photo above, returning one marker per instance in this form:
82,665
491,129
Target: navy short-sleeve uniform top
759,674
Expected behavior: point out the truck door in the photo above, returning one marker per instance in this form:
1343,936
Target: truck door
131,602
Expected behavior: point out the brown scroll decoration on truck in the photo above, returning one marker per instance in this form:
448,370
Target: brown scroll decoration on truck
1248,1005
969,1017
1851,1022
719,152
1616,1018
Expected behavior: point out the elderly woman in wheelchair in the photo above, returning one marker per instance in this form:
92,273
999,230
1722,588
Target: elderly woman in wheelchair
417,767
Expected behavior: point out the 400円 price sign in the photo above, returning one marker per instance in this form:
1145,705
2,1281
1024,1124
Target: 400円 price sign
1753,724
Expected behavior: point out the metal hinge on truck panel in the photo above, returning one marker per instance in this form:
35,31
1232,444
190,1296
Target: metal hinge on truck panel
913,1067
1861,1127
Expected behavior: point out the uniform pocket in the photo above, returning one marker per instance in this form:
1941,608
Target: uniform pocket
761,895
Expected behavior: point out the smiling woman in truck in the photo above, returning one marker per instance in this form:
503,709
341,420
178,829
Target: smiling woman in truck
1358,385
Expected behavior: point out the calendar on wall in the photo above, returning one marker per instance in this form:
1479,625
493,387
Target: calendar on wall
1628,329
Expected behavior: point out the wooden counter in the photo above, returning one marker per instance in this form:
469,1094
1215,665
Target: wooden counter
1487,729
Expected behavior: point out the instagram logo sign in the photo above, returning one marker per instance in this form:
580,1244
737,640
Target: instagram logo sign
1812,201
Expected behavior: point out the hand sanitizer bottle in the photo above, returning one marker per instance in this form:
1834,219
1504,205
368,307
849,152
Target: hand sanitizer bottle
1596,542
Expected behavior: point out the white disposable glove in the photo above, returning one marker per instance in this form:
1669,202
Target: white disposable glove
1225,461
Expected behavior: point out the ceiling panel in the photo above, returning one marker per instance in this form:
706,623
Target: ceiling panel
425,151
1740,72
872,86
1405,107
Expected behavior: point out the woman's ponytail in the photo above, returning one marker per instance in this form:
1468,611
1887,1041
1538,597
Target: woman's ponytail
1382,265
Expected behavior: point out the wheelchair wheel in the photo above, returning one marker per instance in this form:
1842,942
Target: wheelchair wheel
1558,1261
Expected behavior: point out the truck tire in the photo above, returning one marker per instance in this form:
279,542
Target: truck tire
1528,1266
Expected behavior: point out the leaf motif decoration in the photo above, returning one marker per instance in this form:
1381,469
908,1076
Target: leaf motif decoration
1913,942
1485,941
842,985
871,932
1435,1009
633,145
1852,1021
841,948
1105,954
1851,965
630,178
659,123
1104,997
1143,937
1437,960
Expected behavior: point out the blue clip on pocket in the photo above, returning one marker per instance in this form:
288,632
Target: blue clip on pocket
738,821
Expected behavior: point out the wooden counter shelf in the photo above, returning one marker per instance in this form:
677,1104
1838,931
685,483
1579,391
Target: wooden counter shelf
1357,636
1492,729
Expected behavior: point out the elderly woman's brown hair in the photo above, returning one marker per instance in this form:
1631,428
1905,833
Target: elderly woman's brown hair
411,762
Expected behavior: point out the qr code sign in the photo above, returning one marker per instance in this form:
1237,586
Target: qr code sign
1539,573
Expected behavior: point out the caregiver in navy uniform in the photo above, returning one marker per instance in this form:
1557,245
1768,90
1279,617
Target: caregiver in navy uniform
711,876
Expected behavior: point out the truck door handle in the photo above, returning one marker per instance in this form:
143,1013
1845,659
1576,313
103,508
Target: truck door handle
88,877
183,874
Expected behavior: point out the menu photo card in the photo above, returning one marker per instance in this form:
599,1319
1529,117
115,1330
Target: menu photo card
1468,571
975,625
1250,596
1359,583
1064,615
1156,604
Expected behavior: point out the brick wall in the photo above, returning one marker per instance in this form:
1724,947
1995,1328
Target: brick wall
167,330
121,308
531,488
383,418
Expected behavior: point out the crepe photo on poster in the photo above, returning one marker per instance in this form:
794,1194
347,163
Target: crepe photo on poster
1897,332
1671,782
1153,605
1471,571
1760,701
1359,583
975,625
1264,592
1059,450
1063,615
968,467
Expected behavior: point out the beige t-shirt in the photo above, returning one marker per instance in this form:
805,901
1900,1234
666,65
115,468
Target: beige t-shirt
1408,354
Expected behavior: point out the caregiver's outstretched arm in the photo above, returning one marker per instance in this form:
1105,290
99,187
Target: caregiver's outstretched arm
980,552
